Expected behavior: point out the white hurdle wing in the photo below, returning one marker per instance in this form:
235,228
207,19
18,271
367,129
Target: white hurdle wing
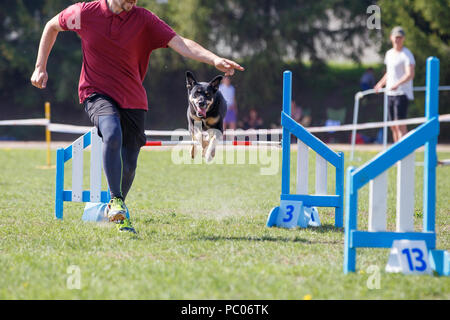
96,166
302,171
378,203
405,194
321,175
405,198
77,170
302,167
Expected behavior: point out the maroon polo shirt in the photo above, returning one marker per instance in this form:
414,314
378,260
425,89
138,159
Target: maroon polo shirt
116,49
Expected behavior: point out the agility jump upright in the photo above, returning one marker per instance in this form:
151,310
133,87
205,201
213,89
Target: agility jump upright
325,155
374,172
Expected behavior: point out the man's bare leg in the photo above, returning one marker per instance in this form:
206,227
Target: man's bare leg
394,133
402,131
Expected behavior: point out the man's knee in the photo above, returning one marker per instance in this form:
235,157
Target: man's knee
113,140
111,132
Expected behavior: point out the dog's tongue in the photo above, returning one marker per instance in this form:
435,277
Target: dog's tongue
202,112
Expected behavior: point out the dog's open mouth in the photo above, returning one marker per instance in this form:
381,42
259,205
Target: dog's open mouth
201,113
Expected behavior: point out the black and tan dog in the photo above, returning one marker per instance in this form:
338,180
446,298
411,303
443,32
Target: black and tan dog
206,111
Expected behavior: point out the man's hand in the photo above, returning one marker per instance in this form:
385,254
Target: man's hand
394,87
39,78
51,30
227,66
378,87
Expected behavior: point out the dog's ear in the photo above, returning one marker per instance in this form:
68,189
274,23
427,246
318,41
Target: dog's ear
216,82
190,80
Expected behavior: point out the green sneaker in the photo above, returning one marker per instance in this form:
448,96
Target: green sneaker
116,210
125,226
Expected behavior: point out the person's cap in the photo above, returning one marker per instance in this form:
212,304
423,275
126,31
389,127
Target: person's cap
398,32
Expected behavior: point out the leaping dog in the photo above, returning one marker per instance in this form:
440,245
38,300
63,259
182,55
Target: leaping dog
206,110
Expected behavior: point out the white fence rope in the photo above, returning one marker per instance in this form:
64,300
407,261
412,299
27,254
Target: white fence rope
72,129
373,125
26,122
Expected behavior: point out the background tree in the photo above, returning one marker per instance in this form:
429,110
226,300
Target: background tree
266,36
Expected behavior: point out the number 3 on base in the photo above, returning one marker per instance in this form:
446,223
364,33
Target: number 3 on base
291,215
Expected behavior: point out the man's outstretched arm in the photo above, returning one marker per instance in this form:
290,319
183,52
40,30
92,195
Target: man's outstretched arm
191,49
51,30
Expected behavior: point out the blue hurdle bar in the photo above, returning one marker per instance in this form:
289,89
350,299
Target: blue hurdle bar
290,126
426,134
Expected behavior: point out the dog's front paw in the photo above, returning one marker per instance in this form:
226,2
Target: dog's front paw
210,154
205,146
196,151
193,152
209,158
211,150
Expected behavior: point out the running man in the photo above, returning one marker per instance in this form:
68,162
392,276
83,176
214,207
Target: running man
117,39
398,79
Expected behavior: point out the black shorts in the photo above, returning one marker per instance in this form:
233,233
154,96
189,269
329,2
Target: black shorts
398,107
132,121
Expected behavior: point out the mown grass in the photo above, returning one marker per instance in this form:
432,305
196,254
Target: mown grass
201,235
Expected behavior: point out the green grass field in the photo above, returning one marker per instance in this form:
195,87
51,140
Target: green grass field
201,235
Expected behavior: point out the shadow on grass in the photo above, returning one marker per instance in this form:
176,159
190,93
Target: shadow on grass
250,238
327,228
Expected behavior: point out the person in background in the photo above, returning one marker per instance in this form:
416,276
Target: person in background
367,80
297,114
398,79
229,93
306,121
296,111
253,120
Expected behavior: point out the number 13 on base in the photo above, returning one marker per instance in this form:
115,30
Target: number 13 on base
409,257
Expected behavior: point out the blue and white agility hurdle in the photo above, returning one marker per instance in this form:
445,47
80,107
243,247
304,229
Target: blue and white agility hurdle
75,152
325,155
374,172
